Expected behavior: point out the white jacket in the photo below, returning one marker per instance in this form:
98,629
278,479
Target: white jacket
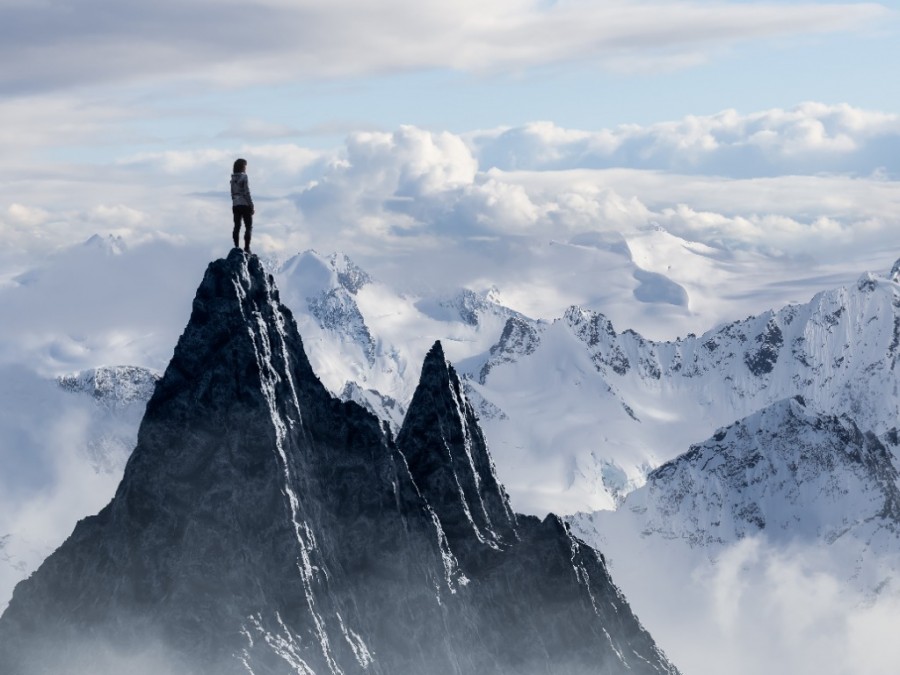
240,190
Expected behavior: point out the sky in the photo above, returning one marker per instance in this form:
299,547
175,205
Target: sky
449,145
105,103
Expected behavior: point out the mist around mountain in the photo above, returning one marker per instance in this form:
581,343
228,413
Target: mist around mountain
64,447
263,525
782,529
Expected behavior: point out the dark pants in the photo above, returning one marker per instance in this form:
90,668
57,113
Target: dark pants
244,213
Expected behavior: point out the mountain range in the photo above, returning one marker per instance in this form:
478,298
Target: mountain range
763,445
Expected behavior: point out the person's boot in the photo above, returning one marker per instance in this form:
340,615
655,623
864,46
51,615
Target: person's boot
236,245
247,245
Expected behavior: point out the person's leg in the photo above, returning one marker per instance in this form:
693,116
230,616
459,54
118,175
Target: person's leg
248,228
236,211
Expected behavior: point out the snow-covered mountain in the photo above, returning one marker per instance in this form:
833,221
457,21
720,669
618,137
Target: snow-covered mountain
577,412
784,472
263,525
593,409
786,522
360,331
576,416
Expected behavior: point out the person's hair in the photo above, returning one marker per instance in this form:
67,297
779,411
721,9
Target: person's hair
240,165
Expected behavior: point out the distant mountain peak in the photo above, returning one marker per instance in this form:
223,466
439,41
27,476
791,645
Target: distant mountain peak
895,272
786,471
325,272
113,386
110,244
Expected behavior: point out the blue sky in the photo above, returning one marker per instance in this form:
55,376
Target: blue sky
205,73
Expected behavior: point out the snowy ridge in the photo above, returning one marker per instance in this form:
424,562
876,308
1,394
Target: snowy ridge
326,287
359,330
623,401
784,472
113,386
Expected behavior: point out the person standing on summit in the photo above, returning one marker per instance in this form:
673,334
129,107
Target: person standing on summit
241,203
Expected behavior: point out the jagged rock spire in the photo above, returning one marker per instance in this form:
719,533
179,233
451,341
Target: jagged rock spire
449,460
256,516
264,526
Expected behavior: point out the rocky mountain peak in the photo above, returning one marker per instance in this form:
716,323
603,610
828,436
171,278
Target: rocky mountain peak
109,245
113,386
264,526
895,272
519,337
449,460
350,275
311,270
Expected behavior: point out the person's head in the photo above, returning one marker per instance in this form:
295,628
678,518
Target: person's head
240,165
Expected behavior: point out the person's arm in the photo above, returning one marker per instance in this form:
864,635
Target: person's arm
247,193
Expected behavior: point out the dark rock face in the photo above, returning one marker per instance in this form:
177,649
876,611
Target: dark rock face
761,360
263,526
519,338
449,460
565,614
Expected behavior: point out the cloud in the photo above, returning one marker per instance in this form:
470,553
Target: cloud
797,603
754,607
258,130
429,184
34,124
245,43
62,458
811,138
398,178
28,216
104,302
480,209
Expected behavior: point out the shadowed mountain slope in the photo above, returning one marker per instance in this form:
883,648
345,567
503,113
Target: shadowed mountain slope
263,526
